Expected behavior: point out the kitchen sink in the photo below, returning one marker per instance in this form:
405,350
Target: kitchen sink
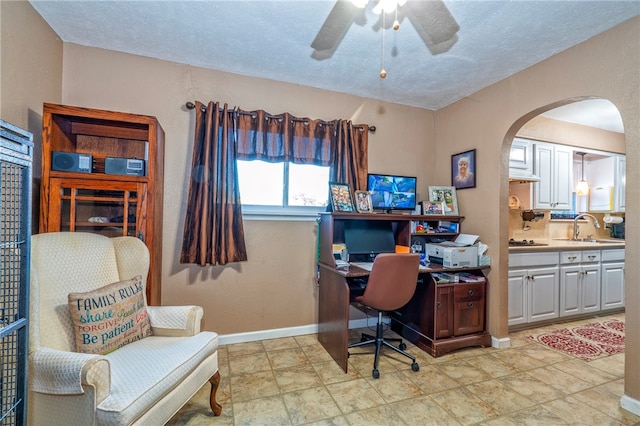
590,240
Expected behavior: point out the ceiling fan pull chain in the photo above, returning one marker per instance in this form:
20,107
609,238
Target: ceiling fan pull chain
396,23
383,72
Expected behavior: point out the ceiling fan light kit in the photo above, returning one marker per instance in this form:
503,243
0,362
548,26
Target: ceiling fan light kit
432,20
387,6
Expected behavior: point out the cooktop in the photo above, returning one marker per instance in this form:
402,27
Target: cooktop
529,243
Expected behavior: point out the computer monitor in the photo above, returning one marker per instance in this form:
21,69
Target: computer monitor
392,192
369,237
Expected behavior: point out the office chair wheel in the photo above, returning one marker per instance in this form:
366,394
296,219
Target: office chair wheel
415,366
375,373
402,346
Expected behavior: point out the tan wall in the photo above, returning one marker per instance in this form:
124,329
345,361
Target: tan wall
31,73
607,66
276,287
31,67
549,130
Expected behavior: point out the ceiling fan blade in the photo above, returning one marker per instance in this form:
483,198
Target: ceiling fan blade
335,26
434,23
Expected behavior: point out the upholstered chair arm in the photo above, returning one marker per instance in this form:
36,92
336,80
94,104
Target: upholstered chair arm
65,373
175,321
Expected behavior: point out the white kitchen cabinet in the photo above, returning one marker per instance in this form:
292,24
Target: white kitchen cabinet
606,174
553,164
517,282
579,282
521,157
612,273
533,287
620,183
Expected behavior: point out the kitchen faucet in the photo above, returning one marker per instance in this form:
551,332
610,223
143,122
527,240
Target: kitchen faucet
576,230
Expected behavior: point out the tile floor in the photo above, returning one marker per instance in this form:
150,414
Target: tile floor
294,381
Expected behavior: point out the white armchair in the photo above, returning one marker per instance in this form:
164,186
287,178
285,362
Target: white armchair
145,382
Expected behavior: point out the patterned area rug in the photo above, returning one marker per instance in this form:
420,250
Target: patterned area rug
587,342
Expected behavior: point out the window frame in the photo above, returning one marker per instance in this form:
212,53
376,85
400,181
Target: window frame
284,211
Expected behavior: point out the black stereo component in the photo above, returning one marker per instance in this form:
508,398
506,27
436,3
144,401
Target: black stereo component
71,162
124,166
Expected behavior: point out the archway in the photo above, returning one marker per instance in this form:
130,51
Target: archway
516,130
577,136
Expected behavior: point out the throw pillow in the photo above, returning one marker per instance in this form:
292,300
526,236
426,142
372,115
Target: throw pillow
109,317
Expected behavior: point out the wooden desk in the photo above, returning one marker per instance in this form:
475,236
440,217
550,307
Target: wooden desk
438,319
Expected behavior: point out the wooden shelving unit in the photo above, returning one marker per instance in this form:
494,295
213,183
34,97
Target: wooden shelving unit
106,199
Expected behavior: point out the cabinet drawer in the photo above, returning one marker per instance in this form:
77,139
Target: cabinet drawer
569,257
591,256
579,256
612,255
533,259
468,292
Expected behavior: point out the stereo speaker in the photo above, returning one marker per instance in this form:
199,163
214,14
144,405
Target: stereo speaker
124,166
71,162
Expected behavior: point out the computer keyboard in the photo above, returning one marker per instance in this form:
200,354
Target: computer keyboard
367,266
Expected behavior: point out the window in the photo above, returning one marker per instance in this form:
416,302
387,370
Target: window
578,204
282,188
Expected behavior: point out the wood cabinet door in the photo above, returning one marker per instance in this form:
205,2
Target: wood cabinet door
612,291
554,165
444,312
591,288
543,294
570,290
563,177
517,296
543,168
620,183
102,207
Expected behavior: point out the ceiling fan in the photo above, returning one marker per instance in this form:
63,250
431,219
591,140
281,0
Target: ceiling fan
431,19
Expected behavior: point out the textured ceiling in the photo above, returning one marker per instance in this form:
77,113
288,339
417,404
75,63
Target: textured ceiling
272,39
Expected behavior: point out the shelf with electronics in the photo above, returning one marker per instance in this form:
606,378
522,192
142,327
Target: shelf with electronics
102,172
434,229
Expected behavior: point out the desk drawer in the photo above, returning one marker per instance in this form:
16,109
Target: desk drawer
468,292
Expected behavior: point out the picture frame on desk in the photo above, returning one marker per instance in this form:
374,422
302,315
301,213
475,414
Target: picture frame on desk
432,208
340,197
447,196
363,202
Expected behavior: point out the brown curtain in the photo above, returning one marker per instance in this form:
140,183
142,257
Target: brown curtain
283,138
350,154
213,229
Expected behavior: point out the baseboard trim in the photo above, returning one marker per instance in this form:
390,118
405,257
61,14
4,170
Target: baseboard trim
630,404
252,336
500,343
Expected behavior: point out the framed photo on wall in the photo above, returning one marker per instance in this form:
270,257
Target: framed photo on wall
447,196
463,170
363,202
340,194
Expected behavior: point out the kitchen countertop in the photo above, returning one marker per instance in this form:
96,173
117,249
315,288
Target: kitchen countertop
559,244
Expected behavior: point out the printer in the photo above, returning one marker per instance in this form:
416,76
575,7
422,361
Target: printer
454,254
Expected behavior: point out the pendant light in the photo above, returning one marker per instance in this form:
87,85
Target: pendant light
583,186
